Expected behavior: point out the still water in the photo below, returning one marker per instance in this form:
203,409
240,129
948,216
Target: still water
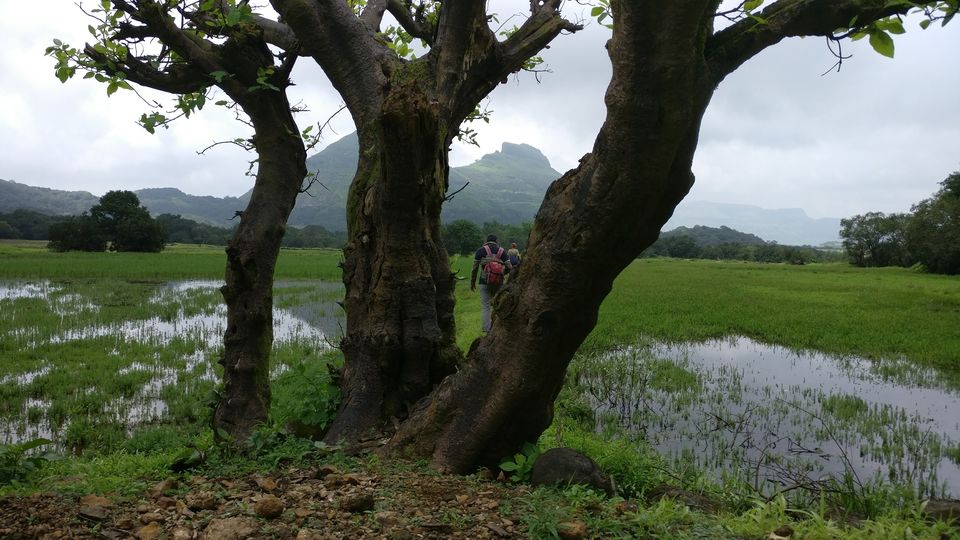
776,418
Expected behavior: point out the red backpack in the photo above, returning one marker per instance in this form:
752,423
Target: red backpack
493,267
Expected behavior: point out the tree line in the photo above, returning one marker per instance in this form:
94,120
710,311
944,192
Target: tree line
927,238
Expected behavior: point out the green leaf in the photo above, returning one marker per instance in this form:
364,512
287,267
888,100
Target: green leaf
751,5
508,466
882,43
112,87
596,11
925,23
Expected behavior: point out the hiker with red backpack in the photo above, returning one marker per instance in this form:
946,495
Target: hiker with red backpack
494,264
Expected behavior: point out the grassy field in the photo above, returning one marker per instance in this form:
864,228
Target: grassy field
91,344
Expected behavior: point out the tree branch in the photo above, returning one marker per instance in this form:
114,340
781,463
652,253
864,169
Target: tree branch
729,48
343,46
413,23
177,79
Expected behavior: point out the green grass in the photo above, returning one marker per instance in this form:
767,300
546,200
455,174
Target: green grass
874,313
178,261
834,308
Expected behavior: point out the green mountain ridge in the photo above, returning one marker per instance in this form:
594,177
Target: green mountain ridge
505,186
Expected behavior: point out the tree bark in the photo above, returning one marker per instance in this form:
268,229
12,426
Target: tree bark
400,339
251,258
592,224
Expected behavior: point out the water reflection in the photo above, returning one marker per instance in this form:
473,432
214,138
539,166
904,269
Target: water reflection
771,416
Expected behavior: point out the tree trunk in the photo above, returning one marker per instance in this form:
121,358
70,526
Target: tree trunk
400,338
251,259
593,222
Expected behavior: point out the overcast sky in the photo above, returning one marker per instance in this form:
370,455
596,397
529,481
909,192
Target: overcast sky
878,135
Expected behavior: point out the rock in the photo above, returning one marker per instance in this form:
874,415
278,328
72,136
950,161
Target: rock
96,513
234,528
360,502
311,534
182,533
326,469
266,483
201,500
150,517
942,509
565,466
387,519
269,506
150,532
166,502
572,530
161,488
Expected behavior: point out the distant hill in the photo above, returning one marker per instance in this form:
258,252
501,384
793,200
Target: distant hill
712,236
505,186
54,202
789,226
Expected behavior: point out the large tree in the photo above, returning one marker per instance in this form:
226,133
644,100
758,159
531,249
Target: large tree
401,359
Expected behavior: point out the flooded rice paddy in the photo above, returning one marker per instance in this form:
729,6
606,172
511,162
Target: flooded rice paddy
74,354
775,418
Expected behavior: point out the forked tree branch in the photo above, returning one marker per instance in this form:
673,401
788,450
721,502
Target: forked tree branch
729,48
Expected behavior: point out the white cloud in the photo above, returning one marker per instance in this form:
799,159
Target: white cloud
878,135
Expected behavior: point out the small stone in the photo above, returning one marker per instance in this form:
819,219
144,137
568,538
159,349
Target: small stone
266,484
123,523
463,499
233,528
161,488
572,530
166,502
150,517
182,533
143,508
310,534
387,518
201,500
96,513
150,531
326,469
303,513
269,506
361,502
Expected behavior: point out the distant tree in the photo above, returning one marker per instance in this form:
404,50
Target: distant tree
77,233
461,237
933,235
6,230
126,224
876,239
181,230
29,224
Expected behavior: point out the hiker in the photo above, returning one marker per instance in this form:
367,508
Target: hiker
494,264
514,254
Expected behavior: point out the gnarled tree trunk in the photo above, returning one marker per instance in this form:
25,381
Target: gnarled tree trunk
593,222
400,339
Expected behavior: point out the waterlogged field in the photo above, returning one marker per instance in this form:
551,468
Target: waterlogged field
719,366
92,361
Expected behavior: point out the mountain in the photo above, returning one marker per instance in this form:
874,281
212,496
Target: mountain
54,202
505,186
205,209
790,226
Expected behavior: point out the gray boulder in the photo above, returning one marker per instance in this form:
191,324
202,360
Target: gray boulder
565,466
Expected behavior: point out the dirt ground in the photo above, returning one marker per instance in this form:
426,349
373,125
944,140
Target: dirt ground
306,504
